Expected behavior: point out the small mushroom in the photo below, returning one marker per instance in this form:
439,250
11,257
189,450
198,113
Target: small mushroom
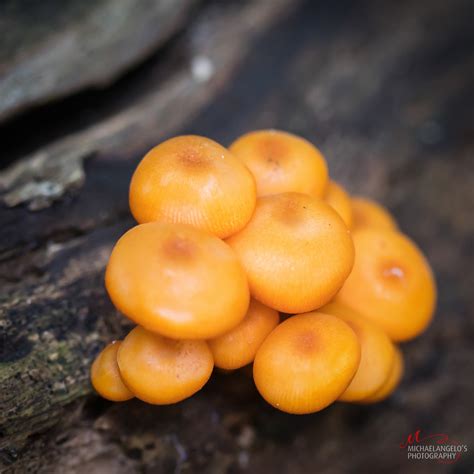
340,201
306,362
105,375
193,180
296,250
161,371
282,162
392,382
391,283
368,213
177,281
238,347
376,358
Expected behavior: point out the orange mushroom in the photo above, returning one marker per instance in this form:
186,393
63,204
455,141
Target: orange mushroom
340,201
161,371
193,180
105,375
306,362
377,354
288,245
177,281
391,283
368,213
282,162
238,347
296,250
392,382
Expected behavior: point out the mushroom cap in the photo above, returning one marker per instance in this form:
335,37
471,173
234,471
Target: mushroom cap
340,201
391,383
193,180
161,371
105,375
238,347
306,362
177,281
368,213
282,162
376,357
296,250
391,283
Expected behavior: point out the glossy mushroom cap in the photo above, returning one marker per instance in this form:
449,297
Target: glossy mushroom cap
282,162
368,213
340,201
105,375
391,283
392,382
377,354
177,281
161,371
306,362
193,180
296,250
238,347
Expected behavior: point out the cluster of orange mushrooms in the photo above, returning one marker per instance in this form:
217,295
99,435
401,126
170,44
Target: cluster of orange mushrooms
250,254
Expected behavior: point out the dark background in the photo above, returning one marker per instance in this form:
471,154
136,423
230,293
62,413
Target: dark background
383,88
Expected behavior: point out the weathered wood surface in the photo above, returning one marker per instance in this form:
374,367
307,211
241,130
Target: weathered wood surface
50,49
384,89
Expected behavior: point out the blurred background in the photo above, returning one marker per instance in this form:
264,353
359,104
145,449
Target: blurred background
383,88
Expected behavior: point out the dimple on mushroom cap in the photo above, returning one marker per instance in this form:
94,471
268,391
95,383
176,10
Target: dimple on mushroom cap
238,347
306,362
161,371
282,162
368,213
177,281
392,381
340,201
391,283
377,353
105,375
193,180
296,250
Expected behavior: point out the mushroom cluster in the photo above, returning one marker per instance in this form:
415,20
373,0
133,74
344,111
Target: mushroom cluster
252,255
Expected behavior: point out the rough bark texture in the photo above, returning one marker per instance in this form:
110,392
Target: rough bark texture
384,89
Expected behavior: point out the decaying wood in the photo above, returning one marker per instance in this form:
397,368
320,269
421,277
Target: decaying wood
53,49
383,89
